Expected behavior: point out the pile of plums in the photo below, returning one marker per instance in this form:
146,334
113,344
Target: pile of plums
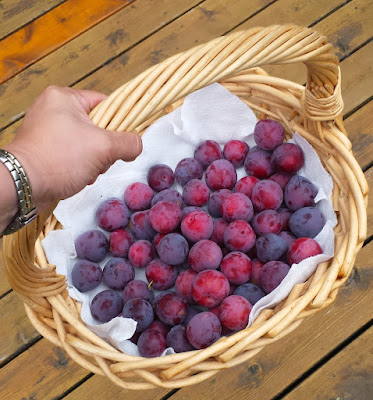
210,250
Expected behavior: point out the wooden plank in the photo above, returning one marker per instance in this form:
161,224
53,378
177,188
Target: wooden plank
369,176
163,44
88,51
52,30
66,65
99,387
16,13
202,24
358,69
4,285
356,75
348,375
43,371
346,28
357,125
358,13
353,26
16,330
7,135
280,364
359,129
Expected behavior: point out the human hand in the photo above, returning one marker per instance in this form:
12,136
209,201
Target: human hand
60,148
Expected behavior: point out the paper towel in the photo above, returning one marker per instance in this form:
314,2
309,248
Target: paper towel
209,113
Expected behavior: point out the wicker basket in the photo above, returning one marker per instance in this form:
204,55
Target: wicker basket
315,112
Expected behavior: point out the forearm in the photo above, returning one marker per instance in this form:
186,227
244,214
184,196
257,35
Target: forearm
8,198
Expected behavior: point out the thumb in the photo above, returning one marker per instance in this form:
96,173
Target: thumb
125,146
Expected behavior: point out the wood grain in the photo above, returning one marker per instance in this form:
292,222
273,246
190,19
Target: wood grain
4,285
163,44
352,26
360,31
346,28
369,175
60,66
281,363
52,30
205,22
357,68
348,375
16,13
360,132
42,372
100,387
16,330
355,91
66,66
7,135
87,52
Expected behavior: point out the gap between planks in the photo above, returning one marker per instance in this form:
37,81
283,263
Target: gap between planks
17,17
50,31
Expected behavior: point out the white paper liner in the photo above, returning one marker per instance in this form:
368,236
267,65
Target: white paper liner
209,113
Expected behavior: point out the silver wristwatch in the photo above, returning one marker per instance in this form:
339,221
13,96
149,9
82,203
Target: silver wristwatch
26,209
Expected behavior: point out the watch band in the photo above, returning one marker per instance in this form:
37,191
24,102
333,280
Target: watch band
26,209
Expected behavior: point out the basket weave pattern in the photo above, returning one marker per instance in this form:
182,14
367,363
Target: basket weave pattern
315,112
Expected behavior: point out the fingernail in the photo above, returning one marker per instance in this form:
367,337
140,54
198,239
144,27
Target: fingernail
138,144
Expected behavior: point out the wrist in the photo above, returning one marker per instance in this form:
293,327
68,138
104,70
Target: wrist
8,198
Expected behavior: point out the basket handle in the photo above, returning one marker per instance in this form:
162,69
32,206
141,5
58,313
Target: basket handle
146,96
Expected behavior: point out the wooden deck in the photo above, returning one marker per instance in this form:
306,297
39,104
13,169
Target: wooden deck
101,44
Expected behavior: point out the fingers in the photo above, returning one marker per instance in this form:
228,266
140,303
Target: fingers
125,146
122,145
55,95
89,98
